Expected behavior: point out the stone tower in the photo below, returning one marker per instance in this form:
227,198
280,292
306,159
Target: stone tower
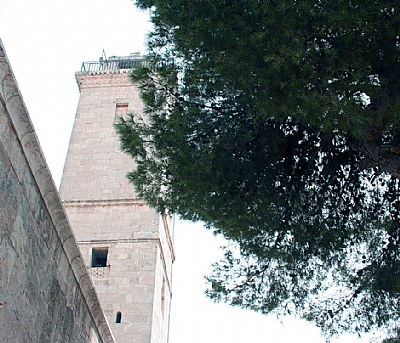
126,245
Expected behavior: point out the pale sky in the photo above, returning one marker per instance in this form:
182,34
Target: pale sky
46,41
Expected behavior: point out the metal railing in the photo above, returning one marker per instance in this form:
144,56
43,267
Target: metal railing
111,64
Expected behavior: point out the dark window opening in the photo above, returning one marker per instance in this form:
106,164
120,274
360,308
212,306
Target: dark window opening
118,318
99,257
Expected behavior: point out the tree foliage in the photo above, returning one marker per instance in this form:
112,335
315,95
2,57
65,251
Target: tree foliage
393,339
277,124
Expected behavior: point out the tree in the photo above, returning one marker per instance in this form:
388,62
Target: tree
277,124
394,339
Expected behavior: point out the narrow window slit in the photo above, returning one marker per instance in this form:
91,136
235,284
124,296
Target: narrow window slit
118,317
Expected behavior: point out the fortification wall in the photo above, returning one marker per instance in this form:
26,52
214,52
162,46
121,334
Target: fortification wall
45,291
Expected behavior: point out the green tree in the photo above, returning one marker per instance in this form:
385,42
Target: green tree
394,339
277,124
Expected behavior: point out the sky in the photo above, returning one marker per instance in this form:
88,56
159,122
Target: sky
46,41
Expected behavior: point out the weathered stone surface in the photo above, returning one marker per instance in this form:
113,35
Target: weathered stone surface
45,291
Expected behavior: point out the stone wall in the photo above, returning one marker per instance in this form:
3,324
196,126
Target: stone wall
45,291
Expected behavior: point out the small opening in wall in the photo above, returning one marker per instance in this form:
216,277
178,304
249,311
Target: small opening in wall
99,257
163,297
121,109
118,317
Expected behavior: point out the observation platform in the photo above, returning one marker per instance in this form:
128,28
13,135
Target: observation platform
113,63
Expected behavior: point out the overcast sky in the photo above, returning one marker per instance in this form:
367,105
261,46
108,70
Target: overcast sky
46,41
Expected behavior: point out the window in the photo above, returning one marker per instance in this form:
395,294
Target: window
163,297
121,109
99,257
118,317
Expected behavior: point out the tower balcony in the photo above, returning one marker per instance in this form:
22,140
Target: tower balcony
112,64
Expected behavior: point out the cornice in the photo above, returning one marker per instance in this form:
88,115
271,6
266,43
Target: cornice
101,79
103,202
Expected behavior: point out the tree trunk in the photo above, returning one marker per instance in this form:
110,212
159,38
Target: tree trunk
386,157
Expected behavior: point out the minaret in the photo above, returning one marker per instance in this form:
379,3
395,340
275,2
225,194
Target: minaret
126,245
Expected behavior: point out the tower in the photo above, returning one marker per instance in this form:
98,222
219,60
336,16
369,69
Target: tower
126,245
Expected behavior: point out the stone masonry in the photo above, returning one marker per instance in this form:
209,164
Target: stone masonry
126,245
46,294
